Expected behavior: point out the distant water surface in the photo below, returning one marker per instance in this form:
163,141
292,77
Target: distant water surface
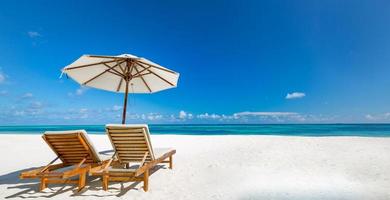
372,130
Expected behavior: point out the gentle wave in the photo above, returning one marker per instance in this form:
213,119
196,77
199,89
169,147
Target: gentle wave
371,130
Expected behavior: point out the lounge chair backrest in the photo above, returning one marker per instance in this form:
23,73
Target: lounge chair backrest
130,142
72,146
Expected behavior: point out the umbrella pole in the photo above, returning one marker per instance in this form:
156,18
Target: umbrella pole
125,103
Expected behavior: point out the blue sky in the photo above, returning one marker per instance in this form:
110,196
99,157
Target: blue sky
238,60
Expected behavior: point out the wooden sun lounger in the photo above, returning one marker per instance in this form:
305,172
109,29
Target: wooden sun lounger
75,151
134,155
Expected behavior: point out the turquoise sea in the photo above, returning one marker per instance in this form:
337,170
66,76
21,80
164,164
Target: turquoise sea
371,130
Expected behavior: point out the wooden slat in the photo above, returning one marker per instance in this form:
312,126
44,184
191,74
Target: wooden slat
76,145
76,159
70,151
62,181
127,135
129,142
123,134
63,140
132,148
76,153
135,151
61,136
67,150
65,143
74,156
129,138
113,131
132,154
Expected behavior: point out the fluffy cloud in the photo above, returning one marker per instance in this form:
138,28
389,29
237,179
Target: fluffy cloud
33,34
209,116
295,95
154,116
184,115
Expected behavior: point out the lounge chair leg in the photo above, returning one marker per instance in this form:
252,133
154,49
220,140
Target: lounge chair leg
82,181
146,180
105,182
170,162
43,184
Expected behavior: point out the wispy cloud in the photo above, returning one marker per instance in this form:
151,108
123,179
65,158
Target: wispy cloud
383,117
116,108
2,77
295,95
247,113
267,117
27,95
80,91
34,34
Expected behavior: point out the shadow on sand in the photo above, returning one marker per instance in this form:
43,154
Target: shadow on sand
28,188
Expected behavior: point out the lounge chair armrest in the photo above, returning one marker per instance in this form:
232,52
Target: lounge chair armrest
107,165
76,171
149,165
38,171
99,169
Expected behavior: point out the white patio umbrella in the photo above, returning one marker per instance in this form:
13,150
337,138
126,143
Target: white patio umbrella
125,73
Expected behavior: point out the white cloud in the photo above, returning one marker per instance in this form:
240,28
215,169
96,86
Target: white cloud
33,34
84,116
378,117
208,116
36,105
116,108
247,113
83,110
295,95
19,113
80,91
27,95
2,77
182,114
154,116
248,116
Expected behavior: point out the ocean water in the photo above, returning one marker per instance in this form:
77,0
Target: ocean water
369,130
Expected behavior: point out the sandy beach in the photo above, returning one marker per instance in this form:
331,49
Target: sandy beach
224,167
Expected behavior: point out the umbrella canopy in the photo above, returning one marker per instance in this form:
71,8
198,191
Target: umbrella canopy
117,73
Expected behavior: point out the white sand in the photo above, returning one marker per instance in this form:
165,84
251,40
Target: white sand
225,167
